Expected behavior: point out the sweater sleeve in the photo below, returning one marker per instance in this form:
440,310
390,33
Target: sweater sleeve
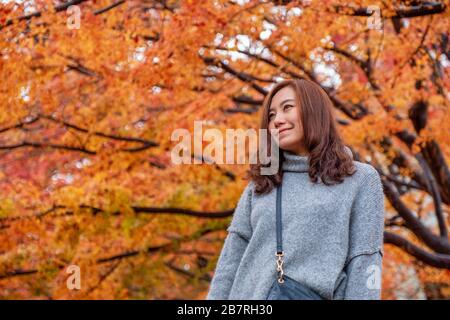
235,244
364,260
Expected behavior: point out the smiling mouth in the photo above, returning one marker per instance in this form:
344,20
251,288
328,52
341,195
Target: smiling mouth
284,130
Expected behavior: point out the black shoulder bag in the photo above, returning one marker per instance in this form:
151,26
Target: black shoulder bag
284,287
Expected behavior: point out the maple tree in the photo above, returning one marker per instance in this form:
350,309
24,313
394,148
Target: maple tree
87,114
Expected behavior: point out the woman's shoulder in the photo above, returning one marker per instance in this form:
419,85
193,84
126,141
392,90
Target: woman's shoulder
366,174
365,169
249,188
248,192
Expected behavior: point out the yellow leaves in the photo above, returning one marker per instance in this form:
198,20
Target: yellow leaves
353,91
6,207
69,196
129,223
104,192
117,199
184,196
436,100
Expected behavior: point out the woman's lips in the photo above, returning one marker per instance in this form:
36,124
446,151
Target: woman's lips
283,130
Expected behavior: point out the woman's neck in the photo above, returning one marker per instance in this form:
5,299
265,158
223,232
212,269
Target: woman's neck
295,162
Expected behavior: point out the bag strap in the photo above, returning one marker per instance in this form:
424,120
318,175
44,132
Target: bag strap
279,253
278,221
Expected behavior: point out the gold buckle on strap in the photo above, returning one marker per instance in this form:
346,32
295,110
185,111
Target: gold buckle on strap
280,266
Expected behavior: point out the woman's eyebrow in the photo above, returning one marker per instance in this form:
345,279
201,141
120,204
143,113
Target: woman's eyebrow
282,103
286,101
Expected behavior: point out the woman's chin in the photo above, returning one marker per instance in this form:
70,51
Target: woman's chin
287,145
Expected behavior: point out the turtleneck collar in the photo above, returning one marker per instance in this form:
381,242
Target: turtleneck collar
295,162
300,163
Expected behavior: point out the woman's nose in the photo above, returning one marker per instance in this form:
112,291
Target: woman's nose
278,121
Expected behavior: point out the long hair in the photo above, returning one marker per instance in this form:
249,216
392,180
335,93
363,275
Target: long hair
328,159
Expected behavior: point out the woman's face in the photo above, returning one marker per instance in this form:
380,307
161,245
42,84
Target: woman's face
284,115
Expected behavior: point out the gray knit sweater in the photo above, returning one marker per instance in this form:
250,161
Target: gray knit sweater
332,237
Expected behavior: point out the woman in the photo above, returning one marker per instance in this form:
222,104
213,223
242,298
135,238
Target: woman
332,207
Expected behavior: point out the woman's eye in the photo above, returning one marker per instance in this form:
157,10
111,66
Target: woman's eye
271,116
288,105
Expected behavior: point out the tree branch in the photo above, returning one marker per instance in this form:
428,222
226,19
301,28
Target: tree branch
424,9
441,261
105,9
149,250
438,244
58,8
136,209
145,144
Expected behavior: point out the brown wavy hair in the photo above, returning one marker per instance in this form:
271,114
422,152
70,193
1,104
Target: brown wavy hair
328,159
